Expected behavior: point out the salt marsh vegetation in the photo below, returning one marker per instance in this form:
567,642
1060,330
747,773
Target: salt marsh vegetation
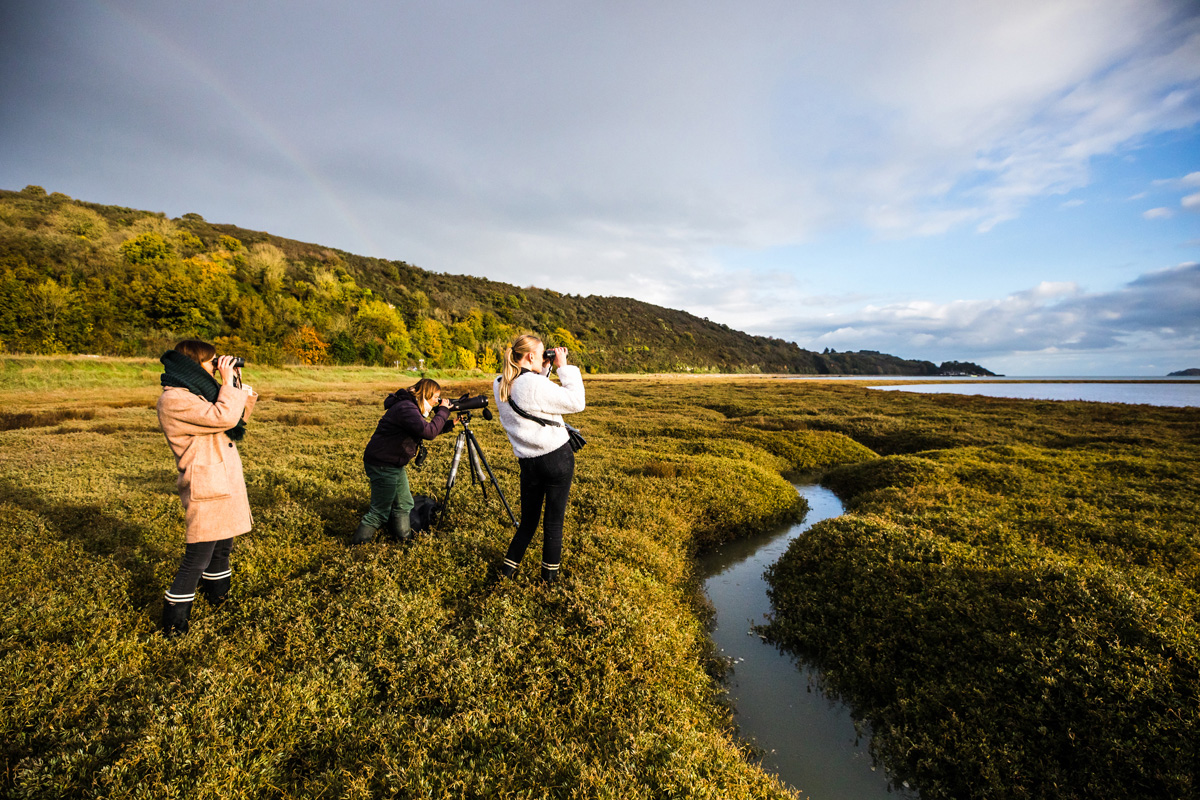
399,671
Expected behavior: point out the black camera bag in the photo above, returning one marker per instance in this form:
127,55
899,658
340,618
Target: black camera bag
425,513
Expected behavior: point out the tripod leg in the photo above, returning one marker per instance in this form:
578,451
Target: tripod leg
454,462
473,460
495,483
478,454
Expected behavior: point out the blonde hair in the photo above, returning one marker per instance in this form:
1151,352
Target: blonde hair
424,389
521,346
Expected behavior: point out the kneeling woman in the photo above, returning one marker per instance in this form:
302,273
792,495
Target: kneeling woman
395,442
201,419
542,448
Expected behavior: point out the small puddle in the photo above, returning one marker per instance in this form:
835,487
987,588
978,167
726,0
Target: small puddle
807,739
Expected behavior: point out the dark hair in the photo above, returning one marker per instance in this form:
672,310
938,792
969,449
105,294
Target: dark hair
196,350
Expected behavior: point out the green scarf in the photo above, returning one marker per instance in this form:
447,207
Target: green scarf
184,373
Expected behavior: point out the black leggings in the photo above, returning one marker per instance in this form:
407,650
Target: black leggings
210,559
543,479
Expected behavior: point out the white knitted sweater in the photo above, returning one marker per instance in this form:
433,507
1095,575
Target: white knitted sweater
538,395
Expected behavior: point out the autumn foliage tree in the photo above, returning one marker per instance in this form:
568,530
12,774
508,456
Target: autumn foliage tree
80,277
307,346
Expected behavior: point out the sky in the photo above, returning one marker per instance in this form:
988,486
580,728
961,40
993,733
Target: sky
1012,183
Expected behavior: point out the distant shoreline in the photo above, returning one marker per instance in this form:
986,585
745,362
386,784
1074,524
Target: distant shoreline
481,375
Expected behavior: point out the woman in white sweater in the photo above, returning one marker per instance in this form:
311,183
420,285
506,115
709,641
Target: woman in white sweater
543,452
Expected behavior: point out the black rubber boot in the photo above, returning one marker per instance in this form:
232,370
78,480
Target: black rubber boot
549,573
215,590
400,527
364,534
498,574
175,618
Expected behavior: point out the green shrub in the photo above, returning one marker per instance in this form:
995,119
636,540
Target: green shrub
1012,620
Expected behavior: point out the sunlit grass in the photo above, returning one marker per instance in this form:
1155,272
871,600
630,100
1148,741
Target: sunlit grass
389,671
359,672
1016,618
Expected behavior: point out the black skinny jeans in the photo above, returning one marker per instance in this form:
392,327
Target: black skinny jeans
208,558
544,479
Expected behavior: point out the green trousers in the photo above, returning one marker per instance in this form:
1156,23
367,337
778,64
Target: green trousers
389,494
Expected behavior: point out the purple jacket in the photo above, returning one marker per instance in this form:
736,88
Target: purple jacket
398,434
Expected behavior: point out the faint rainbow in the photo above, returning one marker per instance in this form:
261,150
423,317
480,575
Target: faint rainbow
257,121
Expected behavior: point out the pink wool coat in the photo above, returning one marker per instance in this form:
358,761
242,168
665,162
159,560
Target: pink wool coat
210,482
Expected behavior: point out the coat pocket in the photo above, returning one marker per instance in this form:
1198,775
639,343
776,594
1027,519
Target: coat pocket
210,481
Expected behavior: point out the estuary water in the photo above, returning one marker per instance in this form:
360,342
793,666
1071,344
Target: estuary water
1178,393
808,740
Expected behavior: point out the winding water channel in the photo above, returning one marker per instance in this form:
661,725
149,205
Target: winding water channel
808,740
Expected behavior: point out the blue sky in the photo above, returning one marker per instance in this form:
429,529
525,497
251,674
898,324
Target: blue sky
1016,183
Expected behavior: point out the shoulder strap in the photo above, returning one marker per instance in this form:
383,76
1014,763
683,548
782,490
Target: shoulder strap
527,415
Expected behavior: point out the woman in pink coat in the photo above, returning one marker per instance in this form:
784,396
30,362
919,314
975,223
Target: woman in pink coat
202,418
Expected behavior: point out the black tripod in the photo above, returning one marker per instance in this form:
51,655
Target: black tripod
466,440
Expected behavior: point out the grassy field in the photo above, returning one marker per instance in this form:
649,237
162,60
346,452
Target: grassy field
374,671
389,671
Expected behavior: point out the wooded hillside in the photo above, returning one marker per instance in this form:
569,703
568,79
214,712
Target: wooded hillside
77,277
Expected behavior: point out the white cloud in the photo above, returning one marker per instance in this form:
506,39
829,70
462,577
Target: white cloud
960,118
613,148
1191,179
1189,202
1157,310
679,126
